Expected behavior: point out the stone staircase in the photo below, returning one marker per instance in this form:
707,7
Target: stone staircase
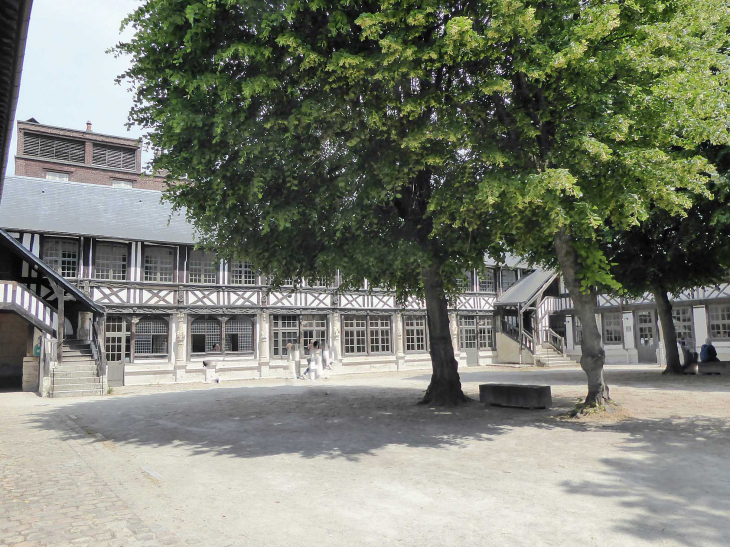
76,375
549,357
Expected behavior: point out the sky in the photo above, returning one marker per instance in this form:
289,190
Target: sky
68,79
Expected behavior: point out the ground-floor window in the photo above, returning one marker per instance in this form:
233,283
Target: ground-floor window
476,332
416,333
367,334
683,326
205,335
284,331
314,327
719,321
117,339
612,330
578,331
151,337
239,335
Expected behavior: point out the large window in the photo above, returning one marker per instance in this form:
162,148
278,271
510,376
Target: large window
239,335
486,281
509,278
612,330
379,327
117,339
683,326
62,255
367,334
112,156
159,263
416,334
578,331
54,148
485,332
476,332
720,321
110,262
205,335
314,327
242,273
151,337
202,267
355,331
284,330
463,282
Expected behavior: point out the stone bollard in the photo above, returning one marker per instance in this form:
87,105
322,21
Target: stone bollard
210,372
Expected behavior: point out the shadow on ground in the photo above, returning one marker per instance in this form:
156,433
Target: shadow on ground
670,473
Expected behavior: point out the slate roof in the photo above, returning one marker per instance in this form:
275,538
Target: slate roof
526,288
40,205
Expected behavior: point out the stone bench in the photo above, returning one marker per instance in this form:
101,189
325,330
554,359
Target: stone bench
714,367
516,395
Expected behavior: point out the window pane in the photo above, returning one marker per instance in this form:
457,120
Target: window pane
486,281
210,329
110,262
467,332
355,332
509,278
62,256
239,335
158,264
202,267
719,322
242,273
612,329
285,331
415,327
379,334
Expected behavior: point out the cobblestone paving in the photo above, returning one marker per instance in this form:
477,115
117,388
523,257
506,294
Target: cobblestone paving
50,496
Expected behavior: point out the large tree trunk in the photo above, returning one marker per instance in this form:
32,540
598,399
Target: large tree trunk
669,334
592,354
445,386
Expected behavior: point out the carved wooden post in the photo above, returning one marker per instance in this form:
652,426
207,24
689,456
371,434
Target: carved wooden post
223,321
133,338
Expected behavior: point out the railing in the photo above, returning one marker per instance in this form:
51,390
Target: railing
554,339
511,331
528,342
97,350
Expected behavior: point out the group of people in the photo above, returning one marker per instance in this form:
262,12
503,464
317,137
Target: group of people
316,361
688,358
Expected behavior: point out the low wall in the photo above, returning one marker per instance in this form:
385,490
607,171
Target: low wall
508,351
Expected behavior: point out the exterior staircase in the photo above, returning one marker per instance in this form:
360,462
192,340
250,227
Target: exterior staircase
77,374
547,356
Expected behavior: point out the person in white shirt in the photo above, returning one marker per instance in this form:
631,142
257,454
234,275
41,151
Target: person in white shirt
315,365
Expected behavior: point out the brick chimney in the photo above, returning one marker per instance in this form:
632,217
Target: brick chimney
88,126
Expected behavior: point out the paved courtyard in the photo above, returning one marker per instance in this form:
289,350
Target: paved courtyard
352,461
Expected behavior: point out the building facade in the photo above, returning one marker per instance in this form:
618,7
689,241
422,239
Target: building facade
174,313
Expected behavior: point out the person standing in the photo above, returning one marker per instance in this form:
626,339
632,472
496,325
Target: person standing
315,365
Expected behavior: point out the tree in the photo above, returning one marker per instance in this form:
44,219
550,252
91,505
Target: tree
309,143
593,116
669,254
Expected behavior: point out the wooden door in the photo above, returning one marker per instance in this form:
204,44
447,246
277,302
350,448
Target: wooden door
646,336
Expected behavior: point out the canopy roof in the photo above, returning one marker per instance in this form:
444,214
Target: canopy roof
524,292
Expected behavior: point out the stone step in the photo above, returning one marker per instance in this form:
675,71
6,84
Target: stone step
63,373
89,369
77,393
76,352
75,380
85,386
77,359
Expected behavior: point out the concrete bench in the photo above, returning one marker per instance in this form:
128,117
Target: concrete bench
516,395
714,367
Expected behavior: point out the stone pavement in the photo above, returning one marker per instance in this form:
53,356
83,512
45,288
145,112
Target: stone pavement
49,494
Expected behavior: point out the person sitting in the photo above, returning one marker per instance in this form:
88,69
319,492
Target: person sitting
708,352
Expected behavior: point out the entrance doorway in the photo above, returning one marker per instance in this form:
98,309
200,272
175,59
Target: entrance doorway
117,346
646,336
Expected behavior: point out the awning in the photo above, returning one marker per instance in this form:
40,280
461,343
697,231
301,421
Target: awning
524,292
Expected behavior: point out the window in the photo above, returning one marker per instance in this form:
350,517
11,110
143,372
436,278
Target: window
578,331
202,267
54,148
467,332
56,175
117,339
509,278
415,327
486,281
158,264
355,329
284,330
317,282
242,273
485,332
110,262
379,327
62,255
464,282
151,337
314,327
612,330
121,183
683,326
719,322
205,335
239,335
112,156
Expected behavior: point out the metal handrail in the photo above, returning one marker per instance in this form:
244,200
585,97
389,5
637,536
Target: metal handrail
528,342
97,350
511,331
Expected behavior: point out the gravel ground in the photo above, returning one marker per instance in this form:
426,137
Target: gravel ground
352,461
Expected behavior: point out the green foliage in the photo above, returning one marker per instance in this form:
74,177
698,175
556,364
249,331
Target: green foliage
378,137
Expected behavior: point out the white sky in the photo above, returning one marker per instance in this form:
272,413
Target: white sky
67,76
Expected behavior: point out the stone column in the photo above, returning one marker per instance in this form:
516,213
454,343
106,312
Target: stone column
569,340
262,319
454,328
400,356
133,338
223,321
699,318
180,347
336,354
